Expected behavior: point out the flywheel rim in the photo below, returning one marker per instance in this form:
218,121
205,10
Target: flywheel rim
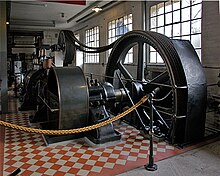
164,46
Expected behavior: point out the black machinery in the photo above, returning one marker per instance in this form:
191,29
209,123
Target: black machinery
68,100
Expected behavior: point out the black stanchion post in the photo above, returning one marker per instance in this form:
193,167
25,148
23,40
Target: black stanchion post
16,172
151,166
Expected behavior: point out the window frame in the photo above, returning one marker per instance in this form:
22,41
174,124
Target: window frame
155,15
92,40
114,33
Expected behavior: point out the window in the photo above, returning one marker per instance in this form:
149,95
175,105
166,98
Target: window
177,19
92,40
117,28
79,54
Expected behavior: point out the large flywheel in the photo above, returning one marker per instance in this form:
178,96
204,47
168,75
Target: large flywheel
174,101
67,48
178,88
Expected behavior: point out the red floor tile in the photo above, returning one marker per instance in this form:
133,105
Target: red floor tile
50,154
56,167
24,160
69,163
81,160
73,171
87,167
65,158
11,169
41,170
26,173
10,162
94,158
53,160
39,163
25,166
38,157
59,173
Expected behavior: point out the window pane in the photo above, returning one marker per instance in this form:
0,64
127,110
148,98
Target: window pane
186,14
130,18
160,20
168,6
113,24
109,33
196,11
186,28
113,32
125,20
196,1
117,31
153,57
153,22
130,27
185,3
160,30
126,59
126,29
129,57
198,51
176,16
159,58
153,11
122,26
182,20
168,31
176,29
121,30
196,26
97,36
152,49
168,18
119,22
176,4
196,40
160,8
92,39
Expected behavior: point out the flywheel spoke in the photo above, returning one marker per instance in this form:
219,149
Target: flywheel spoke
140,68
124,71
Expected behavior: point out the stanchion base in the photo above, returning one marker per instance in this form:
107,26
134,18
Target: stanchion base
150,167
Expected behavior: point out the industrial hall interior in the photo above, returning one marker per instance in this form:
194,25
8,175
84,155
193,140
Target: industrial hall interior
106,88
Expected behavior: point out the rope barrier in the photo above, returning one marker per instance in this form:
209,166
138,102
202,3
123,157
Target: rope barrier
72,131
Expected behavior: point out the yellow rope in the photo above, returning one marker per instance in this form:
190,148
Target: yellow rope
72,131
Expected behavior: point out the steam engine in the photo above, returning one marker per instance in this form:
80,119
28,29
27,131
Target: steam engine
64,98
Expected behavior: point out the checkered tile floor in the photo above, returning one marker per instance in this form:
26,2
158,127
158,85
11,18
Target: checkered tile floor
28,152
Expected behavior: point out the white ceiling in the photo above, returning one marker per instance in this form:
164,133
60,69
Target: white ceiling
48,15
